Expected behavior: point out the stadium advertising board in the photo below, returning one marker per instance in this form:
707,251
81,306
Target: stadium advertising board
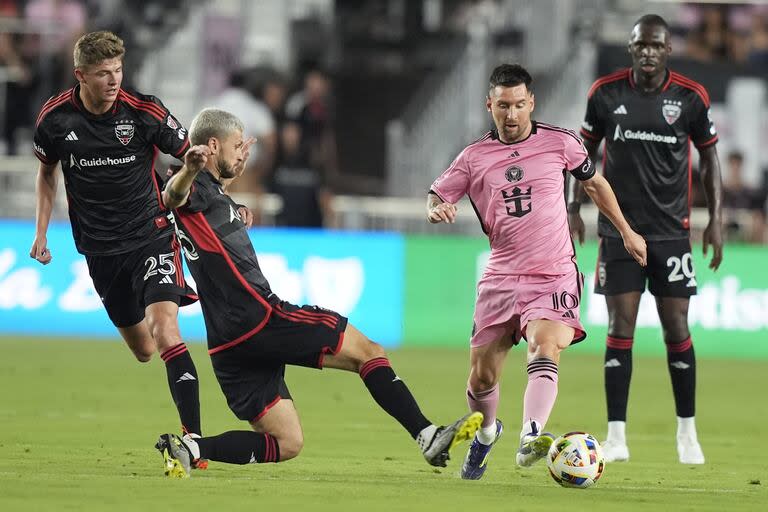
728,317
357,274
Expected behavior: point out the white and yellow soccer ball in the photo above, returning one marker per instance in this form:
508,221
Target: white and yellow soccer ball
576,460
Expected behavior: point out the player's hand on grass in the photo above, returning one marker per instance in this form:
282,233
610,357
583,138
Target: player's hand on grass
713,236
576,225
247,215
40,250
443,212
197,157
635,246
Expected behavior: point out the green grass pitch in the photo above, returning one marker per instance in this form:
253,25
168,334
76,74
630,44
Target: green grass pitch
78,420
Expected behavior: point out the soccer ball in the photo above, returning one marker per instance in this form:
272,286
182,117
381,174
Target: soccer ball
576,460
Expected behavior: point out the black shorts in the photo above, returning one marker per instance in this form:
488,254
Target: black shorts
252,373
669,271
127,283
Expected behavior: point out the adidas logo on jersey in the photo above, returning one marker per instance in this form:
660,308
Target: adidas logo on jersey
71,136
621,109
166,280
568,314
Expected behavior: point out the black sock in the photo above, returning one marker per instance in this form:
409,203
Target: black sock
393,395
682,369
618,374
239,447
182,379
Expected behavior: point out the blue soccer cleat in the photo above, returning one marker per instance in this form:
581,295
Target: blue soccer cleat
476,461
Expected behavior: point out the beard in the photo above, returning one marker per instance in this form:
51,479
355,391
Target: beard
225,169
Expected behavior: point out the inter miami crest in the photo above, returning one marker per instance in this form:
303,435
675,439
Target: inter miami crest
124,133
671,111
514,174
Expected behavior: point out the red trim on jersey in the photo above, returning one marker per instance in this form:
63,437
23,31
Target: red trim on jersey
239,339
687,220
312,314
153,175
332,352
44,159
667,82
304,320
267,408
617,75
707,142
51,104
183,149
589,135
177,261
206,239
664,86
686,82
143,104
143,109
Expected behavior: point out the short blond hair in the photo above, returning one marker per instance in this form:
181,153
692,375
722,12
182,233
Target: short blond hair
212,122
95,47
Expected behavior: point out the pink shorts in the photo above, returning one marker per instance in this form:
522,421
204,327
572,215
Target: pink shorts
506,303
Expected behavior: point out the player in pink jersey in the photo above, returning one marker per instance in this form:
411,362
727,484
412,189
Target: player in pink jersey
531,288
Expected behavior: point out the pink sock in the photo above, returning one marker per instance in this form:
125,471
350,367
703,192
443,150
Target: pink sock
540,393
485,402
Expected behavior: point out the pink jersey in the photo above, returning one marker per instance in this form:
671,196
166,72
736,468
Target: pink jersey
517,191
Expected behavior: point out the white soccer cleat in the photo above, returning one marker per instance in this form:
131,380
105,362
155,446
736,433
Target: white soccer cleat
533,448
689,450
615,451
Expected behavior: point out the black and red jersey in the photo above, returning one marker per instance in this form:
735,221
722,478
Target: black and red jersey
234,294
108,161
647,156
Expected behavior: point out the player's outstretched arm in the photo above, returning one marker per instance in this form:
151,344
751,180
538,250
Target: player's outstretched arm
177,190
712,180
438,211
602,194
45,190
577,196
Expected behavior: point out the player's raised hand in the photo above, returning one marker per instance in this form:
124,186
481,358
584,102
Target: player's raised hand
39,250
197,157
239,167
443,212
635,246
576,225
713,236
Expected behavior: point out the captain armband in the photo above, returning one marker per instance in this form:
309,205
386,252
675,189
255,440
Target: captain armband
583,171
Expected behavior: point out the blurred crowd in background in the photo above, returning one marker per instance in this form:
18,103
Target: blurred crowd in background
294,111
